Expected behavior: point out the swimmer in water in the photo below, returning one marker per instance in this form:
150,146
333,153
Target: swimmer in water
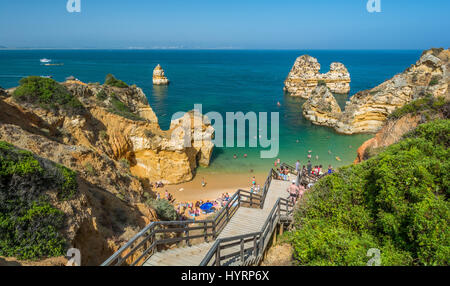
234,156
317,157
245,155
278,104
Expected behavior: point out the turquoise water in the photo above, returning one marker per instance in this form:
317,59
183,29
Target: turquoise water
223,81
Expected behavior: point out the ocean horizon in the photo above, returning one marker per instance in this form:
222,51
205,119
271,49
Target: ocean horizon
224,81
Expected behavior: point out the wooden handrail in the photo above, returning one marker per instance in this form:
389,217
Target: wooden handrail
260,238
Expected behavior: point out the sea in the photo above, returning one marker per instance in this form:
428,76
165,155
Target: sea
225,81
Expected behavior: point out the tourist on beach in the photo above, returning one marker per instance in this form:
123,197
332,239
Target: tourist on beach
309,167
158,196
166,195
253,182
330,169
278,161
203,182
320,170
297,166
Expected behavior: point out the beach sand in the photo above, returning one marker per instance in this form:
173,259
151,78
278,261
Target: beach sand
216,184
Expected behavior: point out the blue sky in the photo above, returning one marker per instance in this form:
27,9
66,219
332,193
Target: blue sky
240,24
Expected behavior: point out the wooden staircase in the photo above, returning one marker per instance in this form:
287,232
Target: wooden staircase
240,232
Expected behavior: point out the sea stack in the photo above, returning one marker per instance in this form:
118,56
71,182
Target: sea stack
305,76
367,111
158,76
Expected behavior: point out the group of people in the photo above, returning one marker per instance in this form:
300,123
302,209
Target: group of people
191,209
295,192
167,196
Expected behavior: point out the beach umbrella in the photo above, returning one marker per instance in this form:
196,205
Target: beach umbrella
206,207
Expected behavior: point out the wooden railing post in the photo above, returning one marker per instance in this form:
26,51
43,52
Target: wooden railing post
242,250
205,224
218,256
255,246
214,229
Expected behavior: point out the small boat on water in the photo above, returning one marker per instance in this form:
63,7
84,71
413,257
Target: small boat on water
44,60
46,76
48,64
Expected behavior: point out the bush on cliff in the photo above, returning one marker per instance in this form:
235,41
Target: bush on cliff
396,201
120,108
29,224
427,105
164,209
47,93
112,81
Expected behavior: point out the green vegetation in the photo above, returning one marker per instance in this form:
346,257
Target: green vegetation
112,81
164,209
47,93
120,108
427,105
435,80
396,201
29,225
101,95
321,83
124,163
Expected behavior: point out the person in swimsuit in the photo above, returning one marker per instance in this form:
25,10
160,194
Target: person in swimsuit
293,192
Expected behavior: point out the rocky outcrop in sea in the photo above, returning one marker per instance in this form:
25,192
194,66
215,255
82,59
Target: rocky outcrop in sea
159,77
305,76
367,111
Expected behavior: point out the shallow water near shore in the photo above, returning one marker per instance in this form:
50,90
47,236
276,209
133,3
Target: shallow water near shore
224,81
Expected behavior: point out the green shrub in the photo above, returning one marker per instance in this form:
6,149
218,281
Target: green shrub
435,80
112,81
47,93
29,225
101,95
396,201
427,104
321,83
124,163
120,108
164,209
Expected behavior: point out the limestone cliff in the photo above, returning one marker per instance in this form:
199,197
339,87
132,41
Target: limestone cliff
159,77
108,135
321,107
367,110
305,76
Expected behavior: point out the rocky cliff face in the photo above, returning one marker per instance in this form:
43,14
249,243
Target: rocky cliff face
367,110
110,141
159,77
321,107
305,76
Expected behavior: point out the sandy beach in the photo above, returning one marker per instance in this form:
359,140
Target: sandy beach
216,184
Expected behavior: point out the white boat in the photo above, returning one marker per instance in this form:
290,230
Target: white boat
45,60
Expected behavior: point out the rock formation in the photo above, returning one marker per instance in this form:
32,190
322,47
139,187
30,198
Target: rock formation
158,76
305,76
321,107
367,110
110,141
